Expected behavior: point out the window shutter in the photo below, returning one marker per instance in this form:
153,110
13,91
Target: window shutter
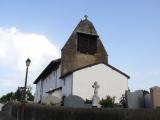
92,45
87,43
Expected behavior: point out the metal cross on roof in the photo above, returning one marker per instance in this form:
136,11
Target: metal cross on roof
85,16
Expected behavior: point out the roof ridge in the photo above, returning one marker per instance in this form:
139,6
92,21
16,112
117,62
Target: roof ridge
54,63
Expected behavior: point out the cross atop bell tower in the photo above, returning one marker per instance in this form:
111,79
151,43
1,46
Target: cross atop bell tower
86,16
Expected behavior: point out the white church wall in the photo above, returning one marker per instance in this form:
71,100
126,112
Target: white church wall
52,81
59,81
67,85
49,83
37,94
111,82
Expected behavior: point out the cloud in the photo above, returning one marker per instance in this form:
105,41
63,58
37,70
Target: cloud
15,48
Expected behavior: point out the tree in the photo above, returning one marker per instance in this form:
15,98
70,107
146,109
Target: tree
29,94
17,95
87,101
108,102
145,92
7,97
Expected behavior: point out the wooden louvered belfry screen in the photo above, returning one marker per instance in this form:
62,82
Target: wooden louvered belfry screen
87,43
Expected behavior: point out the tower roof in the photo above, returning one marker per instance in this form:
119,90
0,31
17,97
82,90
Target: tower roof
86,26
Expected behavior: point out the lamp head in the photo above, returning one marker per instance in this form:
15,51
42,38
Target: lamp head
28,61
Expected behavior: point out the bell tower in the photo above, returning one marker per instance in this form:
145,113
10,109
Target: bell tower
83,48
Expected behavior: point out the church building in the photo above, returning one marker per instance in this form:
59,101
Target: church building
83,61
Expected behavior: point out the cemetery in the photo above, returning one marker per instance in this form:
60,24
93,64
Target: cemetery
139,106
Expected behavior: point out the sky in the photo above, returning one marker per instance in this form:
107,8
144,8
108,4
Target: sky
38,29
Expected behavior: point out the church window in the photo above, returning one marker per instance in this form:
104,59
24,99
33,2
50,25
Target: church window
87,43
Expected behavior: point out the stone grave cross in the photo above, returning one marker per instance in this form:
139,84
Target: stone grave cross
95,86
95,99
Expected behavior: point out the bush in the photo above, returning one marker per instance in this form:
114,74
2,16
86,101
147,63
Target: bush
108,102
123,101
88,101
145,92
16,96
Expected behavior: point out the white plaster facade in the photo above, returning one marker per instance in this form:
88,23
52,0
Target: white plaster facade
111,82
67,85
52,81
80,83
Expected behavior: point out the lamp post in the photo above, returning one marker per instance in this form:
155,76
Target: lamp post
28,61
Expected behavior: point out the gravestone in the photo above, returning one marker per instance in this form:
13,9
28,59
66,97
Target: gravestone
73,101
155,96
95,99
147,101
50,99
134,99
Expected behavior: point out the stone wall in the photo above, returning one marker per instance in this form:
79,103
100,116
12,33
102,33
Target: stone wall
5,116
42,112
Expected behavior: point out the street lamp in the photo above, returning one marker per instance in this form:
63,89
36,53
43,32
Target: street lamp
28,61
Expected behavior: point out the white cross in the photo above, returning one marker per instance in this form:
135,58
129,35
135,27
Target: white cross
95,86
